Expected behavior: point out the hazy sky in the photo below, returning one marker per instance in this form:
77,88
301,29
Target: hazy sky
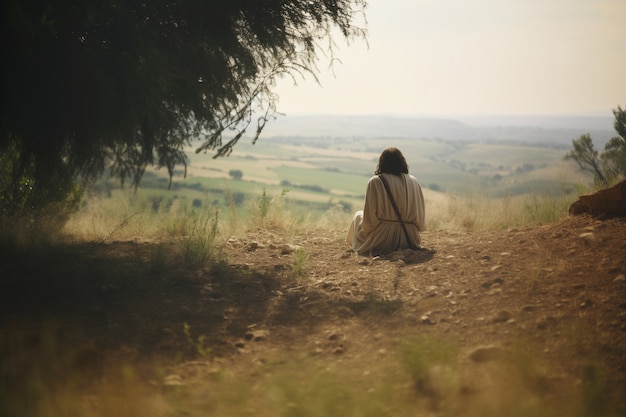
445,57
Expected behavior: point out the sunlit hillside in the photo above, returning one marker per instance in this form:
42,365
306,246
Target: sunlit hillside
516,182
318,173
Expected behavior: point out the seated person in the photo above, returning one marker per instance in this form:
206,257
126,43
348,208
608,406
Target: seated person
376,229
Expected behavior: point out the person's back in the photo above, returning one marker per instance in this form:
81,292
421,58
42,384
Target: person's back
377,229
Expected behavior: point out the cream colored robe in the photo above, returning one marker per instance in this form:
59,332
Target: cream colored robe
376,230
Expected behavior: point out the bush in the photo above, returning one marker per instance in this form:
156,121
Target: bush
28,206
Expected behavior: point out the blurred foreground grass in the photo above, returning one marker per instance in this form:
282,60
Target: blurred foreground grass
426,377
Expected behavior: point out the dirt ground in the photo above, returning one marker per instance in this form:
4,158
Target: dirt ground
484,289
561,288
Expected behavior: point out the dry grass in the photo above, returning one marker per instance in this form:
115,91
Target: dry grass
426,379
473,212
127,216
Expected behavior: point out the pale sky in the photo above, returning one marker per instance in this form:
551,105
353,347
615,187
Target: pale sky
454,57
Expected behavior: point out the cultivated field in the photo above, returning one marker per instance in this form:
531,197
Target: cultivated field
317,174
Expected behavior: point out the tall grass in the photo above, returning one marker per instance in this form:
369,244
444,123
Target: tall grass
300,261
473,211
123,216
274,213
199,240
128,216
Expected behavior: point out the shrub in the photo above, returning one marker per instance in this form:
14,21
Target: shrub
32,207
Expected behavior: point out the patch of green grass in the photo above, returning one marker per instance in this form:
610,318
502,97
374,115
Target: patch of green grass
301,256
197,343
425,357
337,183
264,204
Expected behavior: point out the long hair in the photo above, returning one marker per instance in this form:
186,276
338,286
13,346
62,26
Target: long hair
391,161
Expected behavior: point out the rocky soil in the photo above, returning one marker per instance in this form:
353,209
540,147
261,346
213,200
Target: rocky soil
556,291
483,289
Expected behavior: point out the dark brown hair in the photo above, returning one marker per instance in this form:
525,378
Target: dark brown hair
391,161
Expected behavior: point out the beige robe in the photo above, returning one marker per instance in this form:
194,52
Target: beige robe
376,230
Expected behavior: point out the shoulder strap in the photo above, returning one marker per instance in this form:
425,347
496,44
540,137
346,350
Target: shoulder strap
395,208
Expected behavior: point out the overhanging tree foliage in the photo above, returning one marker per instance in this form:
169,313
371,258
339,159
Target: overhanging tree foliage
611,163
91,84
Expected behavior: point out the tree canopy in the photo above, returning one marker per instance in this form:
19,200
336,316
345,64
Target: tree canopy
614,155
611,163
237,174
125,84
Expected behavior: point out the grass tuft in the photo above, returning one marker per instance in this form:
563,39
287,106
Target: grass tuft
199,241
299,262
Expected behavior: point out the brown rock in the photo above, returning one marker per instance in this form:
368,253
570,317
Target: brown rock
173,380
288,248
257,335
485,353
502,317
611,201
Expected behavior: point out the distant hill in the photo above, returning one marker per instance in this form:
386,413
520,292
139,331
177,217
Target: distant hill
559,130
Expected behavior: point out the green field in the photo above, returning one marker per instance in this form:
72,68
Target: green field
320,173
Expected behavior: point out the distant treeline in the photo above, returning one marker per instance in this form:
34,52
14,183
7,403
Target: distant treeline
314,188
